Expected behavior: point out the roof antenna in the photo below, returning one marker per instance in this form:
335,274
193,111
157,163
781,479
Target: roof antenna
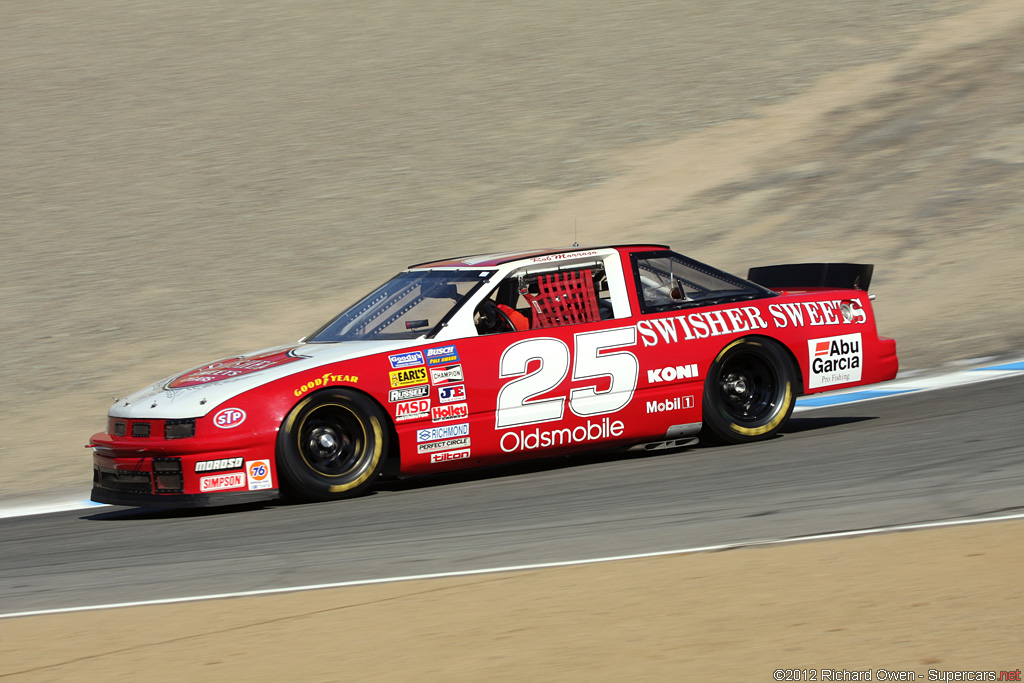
575,232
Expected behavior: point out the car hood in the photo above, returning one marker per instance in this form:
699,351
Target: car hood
196,392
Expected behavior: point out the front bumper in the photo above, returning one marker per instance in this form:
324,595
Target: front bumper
178,501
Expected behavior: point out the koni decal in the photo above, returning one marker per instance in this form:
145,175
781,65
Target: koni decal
704,324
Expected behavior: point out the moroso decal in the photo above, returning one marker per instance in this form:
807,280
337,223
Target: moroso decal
835,360
232,367
220,482
258,472
406,360
446,375
450,393
411,410
229,418
217,465
326,380
408,377
702,325
445,432
396,395
444,445
448,456
442,355
454,411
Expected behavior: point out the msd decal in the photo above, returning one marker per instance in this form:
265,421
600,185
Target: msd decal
448,456
442,355
229,418
452,373
671,374
258,472
220,482
455,411
835,360
451,393
411,410
406,360
408,377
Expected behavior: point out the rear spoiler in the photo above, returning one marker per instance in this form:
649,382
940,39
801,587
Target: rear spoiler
803,275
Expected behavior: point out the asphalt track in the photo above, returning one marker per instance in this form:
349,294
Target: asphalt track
943,454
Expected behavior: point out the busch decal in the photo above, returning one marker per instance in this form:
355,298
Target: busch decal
408,377
454,411
229,418
451,393
442,355
835,360
411,410
220,482
438,433
446,375
396,395
448,456
406,360
258,472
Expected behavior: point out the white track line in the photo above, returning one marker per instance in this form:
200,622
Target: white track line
522,567
924,381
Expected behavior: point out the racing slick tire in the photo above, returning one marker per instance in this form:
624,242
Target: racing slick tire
749,392
332,445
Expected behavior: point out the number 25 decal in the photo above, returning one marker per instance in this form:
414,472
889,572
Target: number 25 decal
517,401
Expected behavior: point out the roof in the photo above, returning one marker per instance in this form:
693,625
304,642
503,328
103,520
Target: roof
499,258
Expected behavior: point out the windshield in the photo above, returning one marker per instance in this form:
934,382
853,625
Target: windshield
408,306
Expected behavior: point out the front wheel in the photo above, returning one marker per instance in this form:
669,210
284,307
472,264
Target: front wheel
332,445
748,393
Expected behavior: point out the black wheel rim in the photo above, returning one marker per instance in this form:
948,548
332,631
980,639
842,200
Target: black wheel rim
749,387
332,440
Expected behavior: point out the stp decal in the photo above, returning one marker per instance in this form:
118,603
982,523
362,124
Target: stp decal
835,360
258,472
228,418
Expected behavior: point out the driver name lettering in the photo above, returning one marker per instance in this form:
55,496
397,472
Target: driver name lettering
704,324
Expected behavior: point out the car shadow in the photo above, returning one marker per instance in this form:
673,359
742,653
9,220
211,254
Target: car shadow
807,424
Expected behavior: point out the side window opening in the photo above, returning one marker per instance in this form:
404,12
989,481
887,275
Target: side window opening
531,301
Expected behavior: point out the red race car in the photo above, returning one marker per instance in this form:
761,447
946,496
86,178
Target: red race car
494,358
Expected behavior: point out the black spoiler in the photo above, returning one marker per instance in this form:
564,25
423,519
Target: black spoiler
801,275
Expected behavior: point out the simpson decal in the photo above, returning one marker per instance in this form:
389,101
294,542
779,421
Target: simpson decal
258,472
446,375
835,360
442,355
220,482
406,360
396,395
408,377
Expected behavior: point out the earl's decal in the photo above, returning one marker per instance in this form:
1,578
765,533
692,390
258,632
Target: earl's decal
408,377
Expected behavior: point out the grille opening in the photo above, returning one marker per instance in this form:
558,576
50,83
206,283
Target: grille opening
118,428
179,429
140,429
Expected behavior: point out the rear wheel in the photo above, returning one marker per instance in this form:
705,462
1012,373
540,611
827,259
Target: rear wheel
748,393
332,445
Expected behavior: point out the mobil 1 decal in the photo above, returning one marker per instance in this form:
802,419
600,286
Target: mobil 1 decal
835,360
535,367
704,324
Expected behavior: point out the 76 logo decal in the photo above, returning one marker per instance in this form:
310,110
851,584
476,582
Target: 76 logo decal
517,401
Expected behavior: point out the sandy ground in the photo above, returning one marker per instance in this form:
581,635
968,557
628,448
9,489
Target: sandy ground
943,600
184,181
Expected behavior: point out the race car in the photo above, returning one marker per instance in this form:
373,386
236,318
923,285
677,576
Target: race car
495,358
